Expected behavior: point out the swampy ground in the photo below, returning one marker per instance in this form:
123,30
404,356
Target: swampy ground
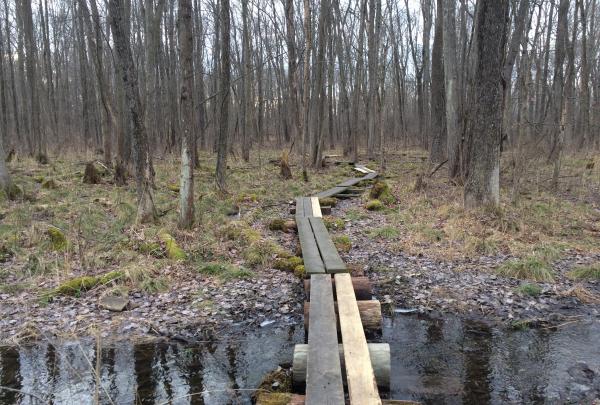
532,262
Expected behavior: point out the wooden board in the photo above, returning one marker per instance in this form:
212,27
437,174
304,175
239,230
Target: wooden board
323,370
362,387
350,182
370,176
270,398
331,192
331,259
310,251
363,169
299,207
316,207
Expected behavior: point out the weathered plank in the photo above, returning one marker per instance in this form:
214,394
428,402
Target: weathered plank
316,207
299,207
331,258
350,182
313,264
362,387
323,370
308,207
363,169
370,176
331,192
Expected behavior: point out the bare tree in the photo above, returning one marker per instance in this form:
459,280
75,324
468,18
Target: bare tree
186,46
483,184
451,87
141,153
224,85
437,152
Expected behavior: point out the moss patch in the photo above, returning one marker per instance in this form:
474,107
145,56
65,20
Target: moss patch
58,240
342,243
171,247
374,205
328,201
288,264
381,191
77,285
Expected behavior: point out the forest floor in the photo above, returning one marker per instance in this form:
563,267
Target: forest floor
66,246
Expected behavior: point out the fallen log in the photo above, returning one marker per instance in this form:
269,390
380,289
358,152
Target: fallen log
380,361
362,288
370,315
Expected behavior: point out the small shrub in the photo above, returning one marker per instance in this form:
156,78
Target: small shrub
91,175
532,290
585,272
531,268
374,205
342,243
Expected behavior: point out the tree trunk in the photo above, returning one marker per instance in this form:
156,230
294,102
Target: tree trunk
483,183
437,153
452,89
224,85
186,46
141,152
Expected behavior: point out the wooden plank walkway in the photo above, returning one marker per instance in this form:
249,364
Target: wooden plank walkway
323,367
323,373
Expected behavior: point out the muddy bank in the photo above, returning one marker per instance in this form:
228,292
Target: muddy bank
470,286
192,308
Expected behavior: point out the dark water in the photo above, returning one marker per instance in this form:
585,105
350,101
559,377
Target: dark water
436,361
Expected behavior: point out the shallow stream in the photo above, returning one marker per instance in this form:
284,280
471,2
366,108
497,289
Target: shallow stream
434,360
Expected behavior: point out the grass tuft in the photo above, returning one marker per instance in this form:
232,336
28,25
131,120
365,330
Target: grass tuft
385,232
374,205
529,268
591,272
532,290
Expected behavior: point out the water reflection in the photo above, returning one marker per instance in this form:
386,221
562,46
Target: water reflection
454,361
434,361
143,373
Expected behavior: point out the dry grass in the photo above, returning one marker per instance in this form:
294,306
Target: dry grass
100,233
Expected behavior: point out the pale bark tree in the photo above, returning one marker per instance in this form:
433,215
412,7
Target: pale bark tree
186,46
306,84
483,184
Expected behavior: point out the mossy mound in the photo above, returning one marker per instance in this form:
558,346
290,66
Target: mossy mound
278,384
172,249
374,205
288,264
58,240
77,285
153,249
173,187
300,271
328,202
279,224
49,184
381,191
240,231
91,174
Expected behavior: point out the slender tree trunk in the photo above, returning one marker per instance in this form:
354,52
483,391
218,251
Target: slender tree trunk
437,152
141,152
452,88
224,88
483,183
306,84
186,46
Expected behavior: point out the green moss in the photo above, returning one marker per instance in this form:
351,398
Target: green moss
300,271
342,243
239,231
173,187
328,202
585,272
172,249
288,264
50,184
77,285
381,191
277,224
532,290
374,205
152,248
58,239
334,223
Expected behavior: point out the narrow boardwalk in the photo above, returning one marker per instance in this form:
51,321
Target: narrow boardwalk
324,365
